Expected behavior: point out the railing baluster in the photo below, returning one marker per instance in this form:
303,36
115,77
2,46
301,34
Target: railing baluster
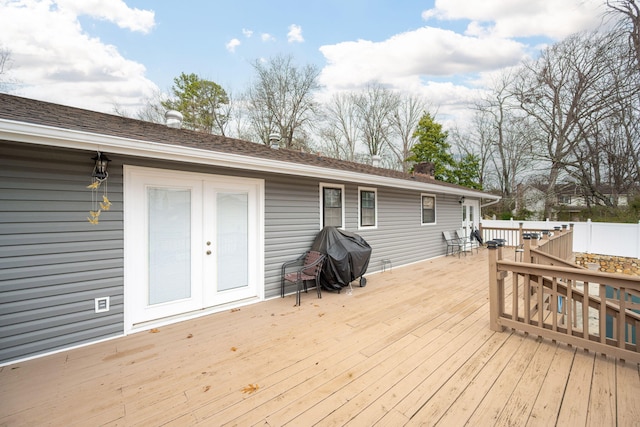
540,291
602,322
527,298
570,308
621,317
585,310
514,310
554,304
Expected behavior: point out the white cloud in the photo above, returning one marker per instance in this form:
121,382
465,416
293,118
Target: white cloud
498,34
412,55
520,18
266,37
232,45
295,34
54,59
247,33
115,11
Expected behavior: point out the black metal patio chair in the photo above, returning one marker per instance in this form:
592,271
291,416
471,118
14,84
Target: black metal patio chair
303,269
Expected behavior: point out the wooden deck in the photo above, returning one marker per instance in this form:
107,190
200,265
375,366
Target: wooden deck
411,348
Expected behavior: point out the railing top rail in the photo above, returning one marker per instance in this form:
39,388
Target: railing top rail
518,228
613,279
556,259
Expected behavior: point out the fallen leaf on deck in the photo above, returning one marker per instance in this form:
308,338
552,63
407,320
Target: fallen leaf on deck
233,348
190,336
207,388
234,310
251,388
154,331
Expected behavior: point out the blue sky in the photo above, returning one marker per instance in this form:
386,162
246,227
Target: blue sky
97,53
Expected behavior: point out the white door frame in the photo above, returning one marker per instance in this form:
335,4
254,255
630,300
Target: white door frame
471,208
203,300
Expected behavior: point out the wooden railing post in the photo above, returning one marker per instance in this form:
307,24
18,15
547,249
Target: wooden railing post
526,240
520,235
496,287
569,243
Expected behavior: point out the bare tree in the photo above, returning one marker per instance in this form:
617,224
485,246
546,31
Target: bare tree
558,92
5,66
630,23
376,106
404,119
344,128
502,127
476,140
281,99
608,156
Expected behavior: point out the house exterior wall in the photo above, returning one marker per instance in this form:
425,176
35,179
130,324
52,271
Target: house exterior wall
53,263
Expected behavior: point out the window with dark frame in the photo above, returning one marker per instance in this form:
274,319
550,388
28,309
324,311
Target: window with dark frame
331,207
428,209
367,208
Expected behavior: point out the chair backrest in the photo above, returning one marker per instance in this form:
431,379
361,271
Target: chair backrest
461,236
447,235
314,260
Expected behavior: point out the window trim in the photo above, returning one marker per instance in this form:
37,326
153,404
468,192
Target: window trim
375,208
435,210
324,185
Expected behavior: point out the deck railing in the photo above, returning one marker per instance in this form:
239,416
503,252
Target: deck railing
549,296
515,236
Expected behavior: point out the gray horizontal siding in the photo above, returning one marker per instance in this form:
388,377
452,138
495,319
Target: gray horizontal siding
292,220
292,215
53,263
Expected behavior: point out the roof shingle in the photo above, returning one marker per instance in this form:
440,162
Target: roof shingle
60,116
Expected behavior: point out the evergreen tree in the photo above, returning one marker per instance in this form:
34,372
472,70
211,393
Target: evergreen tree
432,147
200,102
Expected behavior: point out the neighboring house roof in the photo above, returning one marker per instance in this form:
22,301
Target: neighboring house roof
31,121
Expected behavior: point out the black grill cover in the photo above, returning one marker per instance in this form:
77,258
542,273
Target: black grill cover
347,257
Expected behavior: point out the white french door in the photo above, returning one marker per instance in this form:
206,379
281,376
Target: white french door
470,216
192,241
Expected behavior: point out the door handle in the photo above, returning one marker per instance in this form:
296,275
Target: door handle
208,252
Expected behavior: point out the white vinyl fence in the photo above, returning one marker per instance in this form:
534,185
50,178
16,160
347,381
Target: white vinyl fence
602,238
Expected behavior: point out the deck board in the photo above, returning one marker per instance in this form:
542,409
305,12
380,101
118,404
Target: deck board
411,348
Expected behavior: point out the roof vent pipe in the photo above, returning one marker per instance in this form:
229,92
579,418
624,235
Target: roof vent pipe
173,119
274,140
375,160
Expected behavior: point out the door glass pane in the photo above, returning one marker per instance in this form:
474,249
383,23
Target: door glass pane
232,240
169,244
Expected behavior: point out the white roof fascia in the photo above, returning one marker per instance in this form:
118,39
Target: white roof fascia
30,133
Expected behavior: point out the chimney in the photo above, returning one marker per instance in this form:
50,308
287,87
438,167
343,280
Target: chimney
426,168
375,160
173,119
